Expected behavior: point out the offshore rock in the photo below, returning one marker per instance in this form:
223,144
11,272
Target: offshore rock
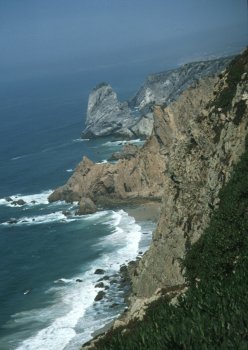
105,114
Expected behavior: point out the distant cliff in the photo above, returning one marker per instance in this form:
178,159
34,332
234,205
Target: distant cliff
165,87
106,115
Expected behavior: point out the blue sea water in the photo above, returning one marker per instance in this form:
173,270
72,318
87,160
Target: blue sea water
43,254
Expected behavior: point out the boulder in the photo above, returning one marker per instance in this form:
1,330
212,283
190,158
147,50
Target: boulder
100,295
13,221
86,206
19,202
99,272
99,285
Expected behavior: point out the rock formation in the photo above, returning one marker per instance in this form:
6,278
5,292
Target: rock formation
106,115
165,87
194,145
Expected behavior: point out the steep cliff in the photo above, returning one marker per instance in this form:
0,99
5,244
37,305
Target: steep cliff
195,143
106,115
165,87
203,142
201,136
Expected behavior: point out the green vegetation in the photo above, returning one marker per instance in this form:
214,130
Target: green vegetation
235,70
213,313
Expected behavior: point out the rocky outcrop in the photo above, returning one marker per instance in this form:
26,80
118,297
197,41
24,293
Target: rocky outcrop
106,115
86,206
136,179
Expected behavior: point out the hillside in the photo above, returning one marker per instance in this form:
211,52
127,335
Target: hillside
189,290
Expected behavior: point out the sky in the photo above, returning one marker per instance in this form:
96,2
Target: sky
53,36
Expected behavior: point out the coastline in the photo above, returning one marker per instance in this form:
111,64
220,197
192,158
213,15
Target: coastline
148,211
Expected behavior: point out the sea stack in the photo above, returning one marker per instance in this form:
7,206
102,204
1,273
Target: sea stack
106,115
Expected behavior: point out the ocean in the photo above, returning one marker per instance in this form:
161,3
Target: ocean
49,255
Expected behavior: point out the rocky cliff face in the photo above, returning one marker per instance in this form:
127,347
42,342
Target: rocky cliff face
165,87
108,116
204,139
195,143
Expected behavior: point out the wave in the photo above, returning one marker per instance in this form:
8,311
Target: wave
69,170
122,142
20,157
77,316
104,161
80,140
40,219
32,199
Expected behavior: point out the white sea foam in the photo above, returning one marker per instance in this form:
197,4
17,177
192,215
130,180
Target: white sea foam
41,219
64,280
122,142
69,170
80,140
104,161
32,199
75,300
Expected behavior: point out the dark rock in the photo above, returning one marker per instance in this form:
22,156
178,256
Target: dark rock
100,296
33,202
114,281
9,199
12,221
145,233
79,280
99,285
140,253
114,305
106,287
99,272
104,278
19,202
123,268
66,213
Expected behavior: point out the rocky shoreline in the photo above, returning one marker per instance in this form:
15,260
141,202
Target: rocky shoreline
195,143
145,212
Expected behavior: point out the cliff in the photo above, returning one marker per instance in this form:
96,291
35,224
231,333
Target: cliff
165,87
106,115
195,143
206,139
201,136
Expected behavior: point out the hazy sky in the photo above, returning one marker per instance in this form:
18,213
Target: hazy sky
56,35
